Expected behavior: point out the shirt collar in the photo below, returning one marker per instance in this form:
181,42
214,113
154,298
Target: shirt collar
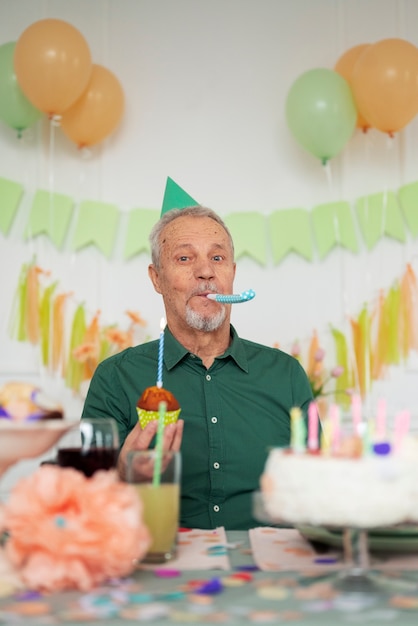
174,352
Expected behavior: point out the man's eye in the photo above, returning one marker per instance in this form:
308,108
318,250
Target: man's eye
217,257
183,258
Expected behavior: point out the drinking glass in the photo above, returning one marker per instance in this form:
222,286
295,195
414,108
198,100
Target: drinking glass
159,489
91,445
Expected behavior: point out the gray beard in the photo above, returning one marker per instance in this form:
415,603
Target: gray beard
202,322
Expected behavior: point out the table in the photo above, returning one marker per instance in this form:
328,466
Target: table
247,596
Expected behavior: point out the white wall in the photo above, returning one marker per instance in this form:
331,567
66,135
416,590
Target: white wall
205,86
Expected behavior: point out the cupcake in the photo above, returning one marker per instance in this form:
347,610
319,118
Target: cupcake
148,406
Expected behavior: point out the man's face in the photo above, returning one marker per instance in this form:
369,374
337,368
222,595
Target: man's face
196,259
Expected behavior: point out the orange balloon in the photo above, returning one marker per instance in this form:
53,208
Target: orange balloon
385,84
97,113
345,67
52,62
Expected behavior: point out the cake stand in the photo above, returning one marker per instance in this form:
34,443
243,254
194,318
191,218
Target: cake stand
19,441
356,575
26,440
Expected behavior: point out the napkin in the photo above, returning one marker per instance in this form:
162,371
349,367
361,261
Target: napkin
277,549
198,550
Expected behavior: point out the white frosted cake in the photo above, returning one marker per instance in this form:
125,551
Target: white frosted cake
367,492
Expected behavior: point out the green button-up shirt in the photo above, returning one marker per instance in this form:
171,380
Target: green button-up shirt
233,413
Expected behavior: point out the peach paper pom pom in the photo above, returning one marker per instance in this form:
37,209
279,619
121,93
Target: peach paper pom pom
72,532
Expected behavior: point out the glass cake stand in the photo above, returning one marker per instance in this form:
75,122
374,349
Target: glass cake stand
19,441
27,440
356,575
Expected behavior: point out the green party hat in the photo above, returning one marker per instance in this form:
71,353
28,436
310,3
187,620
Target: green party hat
175,197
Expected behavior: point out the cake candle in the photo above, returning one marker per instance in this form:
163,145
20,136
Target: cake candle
334,416
401,428
356,413
161,354
313,427
297,430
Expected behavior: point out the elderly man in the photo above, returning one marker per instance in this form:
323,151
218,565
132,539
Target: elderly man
235,394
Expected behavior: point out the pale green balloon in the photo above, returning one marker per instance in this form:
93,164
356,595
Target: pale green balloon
321,112
15,109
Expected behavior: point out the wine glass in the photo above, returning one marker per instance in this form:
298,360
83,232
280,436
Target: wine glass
92,444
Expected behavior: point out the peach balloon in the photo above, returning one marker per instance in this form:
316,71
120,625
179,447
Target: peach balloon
385,84
97,113
53,65
344,67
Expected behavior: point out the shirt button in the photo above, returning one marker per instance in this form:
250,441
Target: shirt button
214,420
208,377
216,465
216,508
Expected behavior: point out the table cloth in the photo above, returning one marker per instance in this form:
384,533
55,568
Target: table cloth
292,588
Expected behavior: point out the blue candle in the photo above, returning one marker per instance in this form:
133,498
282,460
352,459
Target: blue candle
161,354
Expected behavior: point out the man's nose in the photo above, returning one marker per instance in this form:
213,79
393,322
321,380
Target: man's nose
204,269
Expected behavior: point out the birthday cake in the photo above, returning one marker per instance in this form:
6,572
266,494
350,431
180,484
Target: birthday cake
24,402
350,485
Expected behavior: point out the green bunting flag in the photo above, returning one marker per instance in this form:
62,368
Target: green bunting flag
140,223
333,225
10,196
249,234
380,214
290,231
97,225
408,197
50,215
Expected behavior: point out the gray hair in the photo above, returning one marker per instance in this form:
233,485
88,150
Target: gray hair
173,214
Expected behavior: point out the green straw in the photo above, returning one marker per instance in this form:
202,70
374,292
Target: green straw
159,444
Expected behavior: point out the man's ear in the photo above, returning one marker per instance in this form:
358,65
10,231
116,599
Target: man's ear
153,274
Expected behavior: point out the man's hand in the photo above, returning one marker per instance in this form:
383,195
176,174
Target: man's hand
140,439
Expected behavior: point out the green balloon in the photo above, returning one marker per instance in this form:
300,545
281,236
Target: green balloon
321,112
15,109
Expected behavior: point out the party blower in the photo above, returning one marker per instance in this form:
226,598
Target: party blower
244,296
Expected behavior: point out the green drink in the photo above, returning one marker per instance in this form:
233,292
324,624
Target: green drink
160,499
161,516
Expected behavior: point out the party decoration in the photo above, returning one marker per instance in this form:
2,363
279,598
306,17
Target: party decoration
249,235
175,197
361,334
321,229
344,382
232,298
72,532
321,112
53,65
385,85
345,67
408,313
140,223
290,231
333,225
379,214
97,112
90,215
408,199
71,344
15,109
10,196
50,215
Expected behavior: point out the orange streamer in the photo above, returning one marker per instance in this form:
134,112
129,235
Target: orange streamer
408,315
